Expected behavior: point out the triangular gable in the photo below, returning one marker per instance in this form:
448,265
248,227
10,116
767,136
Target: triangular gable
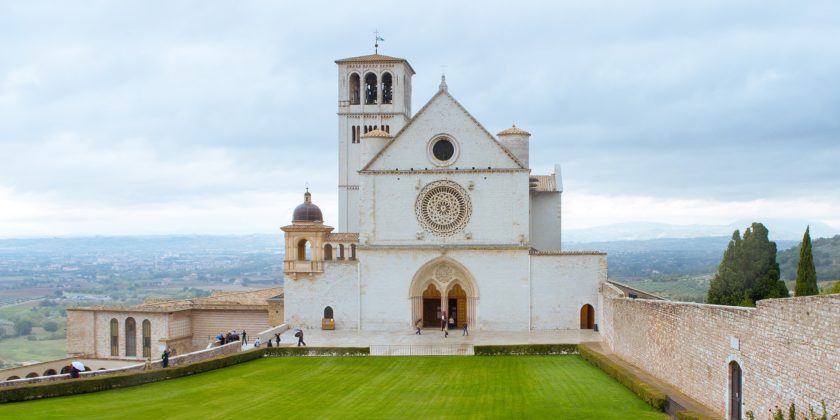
378,161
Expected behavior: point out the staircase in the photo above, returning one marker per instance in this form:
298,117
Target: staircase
422,350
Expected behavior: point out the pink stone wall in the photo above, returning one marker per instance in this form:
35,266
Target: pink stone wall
788,349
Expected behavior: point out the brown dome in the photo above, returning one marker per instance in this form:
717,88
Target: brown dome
307,212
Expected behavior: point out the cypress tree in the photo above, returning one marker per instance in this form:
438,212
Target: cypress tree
749,271
806,274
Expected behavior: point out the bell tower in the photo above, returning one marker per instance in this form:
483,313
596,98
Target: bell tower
374,93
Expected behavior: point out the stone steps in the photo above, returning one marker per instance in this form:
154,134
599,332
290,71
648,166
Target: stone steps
422,350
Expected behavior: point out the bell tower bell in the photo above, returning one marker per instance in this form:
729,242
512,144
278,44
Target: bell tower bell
374,93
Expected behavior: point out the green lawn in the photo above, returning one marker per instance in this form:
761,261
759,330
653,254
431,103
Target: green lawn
20,349
366,387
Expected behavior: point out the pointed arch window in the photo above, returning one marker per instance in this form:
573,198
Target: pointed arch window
130,337
328,312
147,338
370,89
115,337
387,88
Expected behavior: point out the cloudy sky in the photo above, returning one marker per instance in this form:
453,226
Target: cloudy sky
209,117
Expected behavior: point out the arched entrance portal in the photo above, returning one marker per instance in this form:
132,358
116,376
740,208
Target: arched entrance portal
734,390
443,288
587,317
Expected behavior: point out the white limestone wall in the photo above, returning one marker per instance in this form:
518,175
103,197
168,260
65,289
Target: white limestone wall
561,285
499,209
545,220
306,297
501,277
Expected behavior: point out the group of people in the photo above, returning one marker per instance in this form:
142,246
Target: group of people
443,326
232,336
258,341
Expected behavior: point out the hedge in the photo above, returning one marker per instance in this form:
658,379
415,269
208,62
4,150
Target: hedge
316,351
647,392
525,349
691,415
122,380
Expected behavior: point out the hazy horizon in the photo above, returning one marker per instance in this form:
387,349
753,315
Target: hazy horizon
162,118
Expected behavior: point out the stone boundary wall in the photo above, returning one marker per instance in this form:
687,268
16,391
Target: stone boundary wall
183,359
788,349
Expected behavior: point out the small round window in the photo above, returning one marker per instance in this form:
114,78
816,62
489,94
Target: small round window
443,150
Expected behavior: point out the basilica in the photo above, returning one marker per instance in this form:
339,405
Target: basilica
440,222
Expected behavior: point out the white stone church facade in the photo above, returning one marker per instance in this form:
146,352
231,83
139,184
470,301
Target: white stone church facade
437,218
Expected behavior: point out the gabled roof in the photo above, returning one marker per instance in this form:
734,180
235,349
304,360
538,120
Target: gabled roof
375,58
416,116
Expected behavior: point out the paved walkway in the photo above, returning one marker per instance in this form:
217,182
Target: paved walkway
343,338
677,400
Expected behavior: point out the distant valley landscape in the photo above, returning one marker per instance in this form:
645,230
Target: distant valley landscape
39,277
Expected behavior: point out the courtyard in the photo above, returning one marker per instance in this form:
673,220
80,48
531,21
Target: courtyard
366,387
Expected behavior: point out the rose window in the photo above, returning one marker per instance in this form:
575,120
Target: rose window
443,208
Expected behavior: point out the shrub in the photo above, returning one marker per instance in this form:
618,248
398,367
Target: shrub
526,349
316,351
51,326
23,327
691,415
105,382
647,392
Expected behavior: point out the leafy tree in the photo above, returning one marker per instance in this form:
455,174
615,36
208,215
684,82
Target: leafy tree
51,326
23,327
806,273
749,271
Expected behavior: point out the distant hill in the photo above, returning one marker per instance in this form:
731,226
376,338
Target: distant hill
826,259
780,229
670,257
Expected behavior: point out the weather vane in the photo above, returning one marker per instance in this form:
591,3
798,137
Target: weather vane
376,41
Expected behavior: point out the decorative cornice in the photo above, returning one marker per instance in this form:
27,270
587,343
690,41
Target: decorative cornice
440,171
307,228
558,252
447,247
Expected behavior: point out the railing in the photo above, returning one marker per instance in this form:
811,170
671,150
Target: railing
422,350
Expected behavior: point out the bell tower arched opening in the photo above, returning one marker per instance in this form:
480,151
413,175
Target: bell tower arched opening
304,250
355,86
387,88
370,89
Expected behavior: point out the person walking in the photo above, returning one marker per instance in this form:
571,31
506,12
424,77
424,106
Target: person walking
443,321
245,337
417,325
299,335
165,357
466,331
277,338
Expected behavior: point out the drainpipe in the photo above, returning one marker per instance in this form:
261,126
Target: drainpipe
359,287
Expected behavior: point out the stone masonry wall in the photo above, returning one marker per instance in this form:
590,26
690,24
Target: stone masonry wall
788,349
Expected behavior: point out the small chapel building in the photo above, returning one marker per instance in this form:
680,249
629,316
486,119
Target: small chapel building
439,222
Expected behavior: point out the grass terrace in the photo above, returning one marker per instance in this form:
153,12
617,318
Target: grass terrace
366,387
